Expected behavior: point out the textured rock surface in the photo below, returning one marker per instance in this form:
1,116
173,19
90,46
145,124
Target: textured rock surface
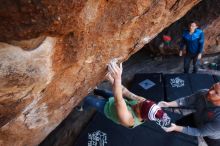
40,86
207,13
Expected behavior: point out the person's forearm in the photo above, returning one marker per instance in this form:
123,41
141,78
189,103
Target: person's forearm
173,104
179,128
128,94
125,91
182,44
201,49
117,90
208,129
201,42
119,101
124,115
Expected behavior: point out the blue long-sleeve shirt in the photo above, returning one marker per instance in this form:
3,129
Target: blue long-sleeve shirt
210,129
194,42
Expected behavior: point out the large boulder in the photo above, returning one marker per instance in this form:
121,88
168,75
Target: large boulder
53,52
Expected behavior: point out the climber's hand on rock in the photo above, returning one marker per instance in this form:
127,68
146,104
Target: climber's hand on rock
109,78
115,70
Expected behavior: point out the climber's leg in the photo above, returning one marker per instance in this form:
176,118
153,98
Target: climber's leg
93,101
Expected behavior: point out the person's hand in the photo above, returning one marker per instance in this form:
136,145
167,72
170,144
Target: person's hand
140,99
115,70
163,104
199,56
173,127
181,53
109,78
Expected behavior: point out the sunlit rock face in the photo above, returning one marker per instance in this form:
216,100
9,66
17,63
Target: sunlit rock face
207,13
52,53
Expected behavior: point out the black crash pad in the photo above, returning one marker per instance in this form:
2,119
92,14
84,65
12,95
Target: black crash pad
149,86
217,78
103,132
150,134
200,81
176,86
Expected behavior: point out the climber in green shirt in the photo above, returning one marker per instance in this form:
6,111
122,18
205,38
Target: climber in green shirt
129,112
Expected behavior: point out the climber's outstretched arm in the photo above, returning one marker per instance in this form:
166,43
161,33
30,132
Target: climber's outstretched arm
125,117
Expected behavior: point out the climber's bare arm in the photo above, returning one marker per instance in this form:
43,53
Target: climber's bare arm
130,95
125,117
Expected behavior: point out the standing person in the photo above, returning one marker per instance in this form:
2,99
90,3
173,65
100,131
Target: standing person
165,44
193,40
205,121
129,113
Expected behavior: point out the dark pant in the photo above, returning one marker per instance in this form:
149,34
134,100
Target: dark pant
104,93
212,142
187,120
95,102
187,60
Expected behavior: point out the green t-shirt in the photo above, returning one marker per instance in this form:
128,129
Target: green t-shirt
111,113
